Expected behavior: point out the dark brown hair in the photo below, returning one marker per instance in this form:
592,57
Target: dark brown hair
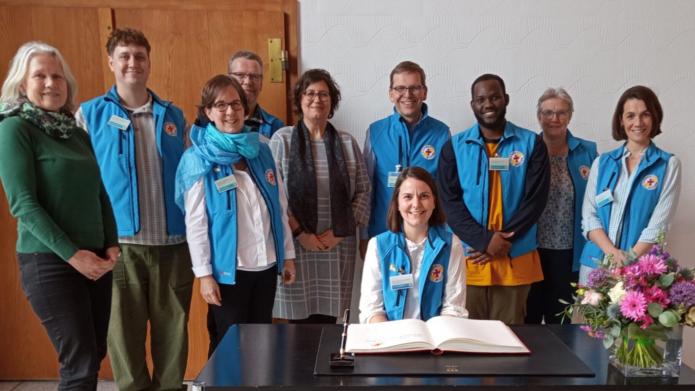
394,220
214,87
408,66
646,95
126,36
314,76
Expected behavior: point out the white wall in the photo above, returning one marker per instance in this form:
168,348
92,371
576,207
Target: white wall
594,48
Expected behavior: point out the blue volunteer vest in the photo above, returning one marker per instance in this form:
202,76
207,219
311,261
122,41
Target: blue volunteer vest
394,259
472,164
270,123
643,197
115,152
392,145
222,217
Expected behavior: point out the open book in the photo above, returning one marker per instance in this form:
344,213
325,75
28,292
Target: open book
444,333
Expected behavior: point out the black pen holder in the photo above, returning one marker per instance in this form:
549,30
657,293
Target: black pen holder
345,361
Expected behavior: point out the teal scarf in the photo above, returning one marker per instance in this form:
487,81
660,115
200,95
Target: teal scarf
244,143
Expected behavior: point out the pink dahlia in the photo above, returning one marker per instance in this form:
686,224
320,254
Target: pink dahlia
633,305
651,265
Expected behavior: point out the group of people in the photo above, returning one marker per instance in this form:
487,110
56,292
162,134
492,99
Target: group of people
120,205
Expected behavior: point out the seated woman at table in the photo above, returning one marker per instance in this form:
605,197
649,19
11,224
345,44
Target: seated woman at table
632,191
415,269
236,212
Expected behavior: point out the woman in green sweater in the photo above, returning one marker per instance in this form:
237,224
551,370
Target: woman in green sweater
67,242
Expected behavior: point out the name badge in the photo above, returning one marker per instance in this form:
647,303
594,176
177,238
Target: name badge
499,163
393,176
226,183
604,198
119,122
401,281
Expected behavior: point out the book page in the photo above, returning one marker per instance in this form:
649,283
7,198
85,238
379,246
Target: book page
398,335
472,335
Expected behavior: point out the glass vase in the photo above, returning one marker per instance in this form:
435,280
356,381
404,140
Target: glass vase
655,352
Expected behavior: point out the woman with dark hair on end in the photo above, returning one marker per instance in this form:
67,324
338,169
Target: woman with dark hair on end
633,190
415,270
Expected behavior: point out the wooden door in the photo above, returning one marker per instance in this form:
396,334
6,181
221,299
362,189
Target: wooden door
189,45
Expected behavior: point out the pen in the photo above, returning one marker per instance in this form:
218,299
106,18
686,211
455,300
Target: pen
346,318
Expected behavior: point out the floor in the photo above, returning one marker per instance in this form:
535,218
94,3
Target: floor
47,386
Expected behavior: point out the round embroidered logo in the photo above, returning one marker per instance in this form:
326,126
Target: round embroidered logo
437,273
270,176
584,171
650,182
170,129
428,152
516,158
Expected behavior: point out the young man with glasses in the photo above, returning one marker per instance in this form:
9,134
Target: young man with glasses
493,182
247,68
138,140
408,137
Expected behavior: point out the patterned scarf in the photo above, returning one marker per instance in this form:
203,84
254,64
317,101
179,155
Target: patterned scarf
56,124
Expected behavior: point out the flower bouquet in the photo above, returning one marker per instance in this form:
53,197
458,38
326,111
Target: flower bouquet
638,309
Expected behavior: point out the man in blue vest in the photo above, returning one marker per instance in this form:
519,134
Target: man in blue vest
247,68
138,140
408,137
493,182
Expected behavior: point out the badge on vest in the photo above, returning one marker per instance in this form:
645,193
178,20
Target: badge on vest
516,158
428,152
499,163
226,183
401,281
584,171
170,129
604,198
650,182
437,273
393,176
270,176
119,123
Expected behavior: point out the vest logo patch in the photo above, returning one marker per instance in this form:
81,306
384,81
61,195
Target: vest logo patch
270,176
516,158
584,171
428,152
170,129
650,182
437,273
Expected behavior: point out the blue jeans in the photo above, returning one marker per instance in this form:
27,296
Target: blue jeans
75,313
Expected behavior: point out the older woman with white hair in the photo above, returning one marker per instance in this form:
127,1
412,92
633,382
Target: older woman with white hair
560,240
67,243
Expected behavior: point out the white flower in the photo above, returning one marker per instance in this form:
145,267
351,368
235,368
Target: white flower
591,297
616,293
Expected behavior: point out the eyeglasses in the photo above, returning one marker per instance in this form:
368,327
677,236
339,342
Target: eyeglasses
321,95
251,76
222,106
561,114
412,89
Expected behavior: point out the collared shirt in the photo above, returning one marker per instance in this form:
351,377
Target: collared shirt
661,216
254,120
372,296
255,243
153,224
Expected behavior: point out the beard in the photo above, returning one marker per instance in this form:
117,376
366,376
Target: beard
497,123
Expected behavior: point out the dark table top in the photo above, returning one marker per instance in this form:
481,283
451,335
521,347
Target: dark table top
282,356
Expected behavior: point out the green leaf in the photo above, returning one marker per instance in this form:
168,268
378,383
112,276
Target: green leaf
655,309
667,279
669,318
615,331
608,341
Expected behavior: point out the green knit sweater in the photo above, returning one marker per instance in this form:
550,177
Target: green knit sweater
54,189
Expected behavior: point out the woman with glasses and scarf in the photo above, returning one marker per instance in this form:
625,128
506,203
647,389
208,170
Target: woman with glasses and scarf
236,213
67,243
329,195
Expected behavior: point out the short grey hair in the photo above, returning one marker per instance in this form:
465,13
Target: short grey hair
559,93
247,54
11,89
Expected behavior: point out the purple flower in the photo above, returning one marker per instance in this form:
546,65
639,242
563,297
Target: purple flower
597,277
634,305
682,292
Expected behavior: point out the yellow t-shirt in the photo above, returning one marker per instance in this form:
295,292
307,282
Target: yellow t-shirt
521,270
